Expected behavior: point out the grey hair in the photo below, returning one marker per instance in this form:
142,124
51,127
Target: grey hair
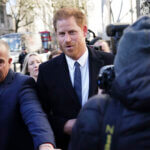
25,63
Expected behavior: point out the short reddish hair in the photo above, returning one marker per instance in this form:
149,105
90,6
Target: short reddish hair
64,13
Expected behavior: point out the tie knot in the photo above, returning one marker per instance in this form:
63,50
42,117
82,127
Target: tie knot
77,64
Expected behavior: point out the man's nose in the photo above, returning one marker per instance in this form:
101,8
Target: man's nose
67,37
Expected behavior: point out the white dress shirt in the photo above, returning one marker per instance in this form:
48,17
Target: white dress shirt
84,67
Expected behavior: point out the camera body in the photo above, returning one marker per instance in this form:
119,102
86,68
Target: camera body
98,47
106,77
115,31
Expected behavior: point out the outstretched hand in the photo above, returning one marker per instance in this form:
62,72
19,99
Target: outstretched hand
47,146
69,125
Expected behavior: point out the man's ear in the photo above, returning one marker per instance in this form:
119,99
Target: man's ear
10,60
85,30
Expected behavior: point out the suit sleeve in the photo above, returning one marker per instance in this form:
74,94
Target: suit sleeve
33,115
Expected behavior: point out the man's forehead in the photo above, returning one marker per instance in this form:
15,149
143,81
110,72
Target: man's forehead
3,51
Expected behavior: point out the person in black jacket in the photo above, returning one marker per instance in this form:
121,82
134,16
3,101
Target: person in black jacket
22,57
57,82
122,121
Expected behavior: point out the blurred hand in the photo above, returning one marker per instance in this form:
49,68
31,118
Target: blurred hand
69,125
46,146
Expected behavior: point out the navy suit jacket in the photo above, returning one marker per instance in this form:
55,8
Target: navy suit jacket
57,94
21,116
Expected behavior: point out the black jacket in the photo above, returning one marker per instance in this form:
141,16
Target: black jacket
57,94
131,92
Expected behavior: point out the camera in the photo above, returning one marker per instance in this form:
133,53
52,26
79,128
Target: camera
105,78
96,47
115,31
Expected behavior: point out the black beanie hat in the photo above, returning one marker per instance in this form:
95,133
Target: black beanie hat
134,45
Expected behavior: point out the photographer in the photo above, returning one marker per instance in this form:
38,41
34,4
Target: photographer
102,45
121,122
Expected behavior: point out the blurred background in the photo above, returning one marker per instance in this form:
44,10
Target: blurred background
27,24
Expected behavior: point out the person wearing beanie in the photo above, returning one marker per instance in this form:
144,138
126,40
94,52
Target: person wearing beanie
121,121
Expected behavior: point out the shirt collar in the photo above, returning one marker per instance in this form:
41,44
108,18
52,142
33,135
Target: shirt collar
82,60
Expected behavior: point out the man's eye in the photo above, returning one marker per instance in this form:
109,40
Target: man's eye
72,32
1,61
61,33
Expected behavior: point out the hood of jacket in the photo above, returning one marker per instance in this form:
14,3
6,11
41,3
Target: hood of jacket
132,86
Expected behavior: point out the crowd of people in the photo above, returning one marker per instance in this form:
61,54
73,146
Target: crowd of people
55,104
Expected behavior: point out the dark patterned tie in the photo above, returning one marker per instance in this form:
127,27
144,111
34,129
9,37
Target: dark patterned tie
77,81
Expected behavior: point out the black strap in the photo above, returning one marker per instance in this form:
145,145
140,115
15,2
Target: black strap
111,124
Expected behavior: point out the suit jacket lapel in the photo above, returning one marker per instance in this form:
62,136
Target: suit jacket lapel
95,64
67,84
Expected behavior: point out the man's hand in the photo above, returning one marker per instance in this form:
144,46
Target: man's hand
69,125
46,146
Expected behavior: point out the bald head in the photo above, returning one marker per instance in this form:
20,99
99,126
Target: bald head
5,47
5,60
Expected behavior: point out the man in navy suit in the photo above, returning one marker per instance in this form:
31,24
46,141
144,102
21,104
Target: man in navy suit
21,116
56,81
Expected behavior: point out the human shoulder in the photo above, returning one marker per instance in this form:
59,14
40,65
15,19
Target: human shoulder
104,54
100,55
52,63
22,79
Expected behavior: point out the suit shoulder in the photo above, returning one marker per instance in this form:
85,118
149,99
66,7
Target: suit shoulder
101,55
104,54
21,78
108,58
51,63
